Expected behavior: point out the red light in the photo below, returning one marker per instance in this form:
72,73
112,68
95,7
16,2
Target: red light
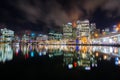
75,64
26,56
16,53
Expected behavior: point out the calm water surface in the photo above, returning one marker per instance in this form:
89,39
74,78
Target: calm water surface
64,62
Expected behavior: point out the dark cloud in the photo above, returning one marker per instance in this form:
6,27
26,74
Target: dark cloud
91,5
48,12
55,12
112,7
32,10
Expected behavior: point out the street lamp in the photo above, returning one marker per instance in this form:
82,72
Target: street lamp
117,27
96,35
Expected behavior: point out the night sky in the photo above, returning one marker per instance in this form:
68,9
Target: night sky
44,15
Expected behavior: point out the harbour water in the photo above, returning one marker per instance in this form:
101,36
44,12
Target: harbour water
64,62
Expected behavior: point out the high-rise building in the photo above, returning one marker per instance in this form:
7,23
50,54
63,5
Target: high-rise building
92,27
67,31
83,30
7,35
92,30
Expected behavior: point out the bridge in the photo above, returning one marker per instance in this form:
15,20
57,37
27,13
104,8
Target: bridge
113,38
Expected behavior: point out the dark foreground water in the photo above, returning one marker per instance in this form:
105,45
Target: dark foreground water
40,62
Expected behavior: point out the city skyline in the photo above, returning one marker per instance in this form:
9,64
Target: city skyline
60,39
42,15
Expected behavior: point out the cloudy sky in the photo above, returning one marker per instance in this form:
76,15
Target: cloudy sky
42,15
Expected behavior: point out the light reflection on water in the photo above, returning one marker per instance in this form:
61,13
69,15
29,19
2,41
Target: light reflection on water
6,52
73,56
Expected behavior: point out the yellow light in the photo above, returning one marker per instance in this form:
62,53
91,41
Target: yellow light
116,50
103,33
119,62
97,54
96,35
119,25
84,40
84,49
117,28
105,57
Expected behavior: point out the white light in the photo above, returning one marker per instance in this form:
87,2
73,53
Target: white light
70,66
50,55
87,68
114,26
111,49
100,59
40,54
116,63
116,58
44,53
69,23
119,62
95,65
92,65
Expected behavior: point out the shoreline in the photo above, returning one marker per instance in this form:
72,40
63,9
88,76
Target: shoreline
117,45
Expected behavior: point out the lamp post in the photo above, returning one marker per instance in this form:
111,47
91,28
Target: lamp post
96,35
117,27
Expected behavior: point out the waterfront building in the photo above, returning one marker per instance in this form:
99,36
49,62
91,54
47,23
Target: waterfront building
67,31
25,38
16,38
41,37
83,30
51,35
92,30
58,36
106,31
7,35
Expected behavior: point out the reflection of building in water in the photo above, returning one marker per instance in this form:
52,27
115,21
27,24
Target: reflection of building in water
88,56
87,60
16,48
55,52
68,58
6,52
25,49
84,49
71,48
81,58
107,50
30,50
41,50
74,56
